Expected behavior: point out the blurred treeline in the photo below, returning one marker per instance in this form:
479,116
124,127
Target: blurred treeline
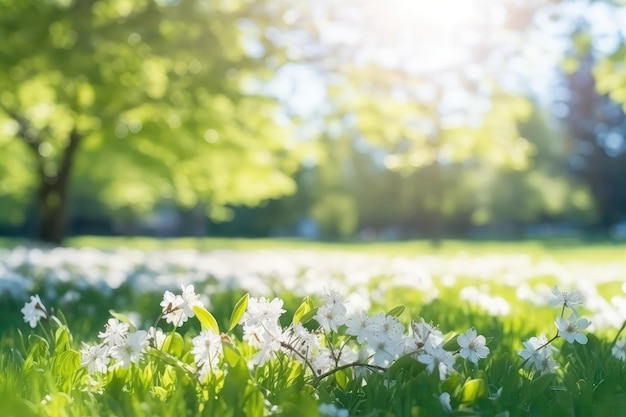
194,117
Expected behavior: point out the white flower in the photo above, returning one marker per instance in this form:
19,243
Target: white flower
619,350
436,357
261,310
391,327
190,300
34,311
156,337
331,410
330,317
472,346
538,352
357,325
570,329
115,332
131,350
385,349
268,345
173,310
424,332
177,309
569,299
95,358
207,347
321,360
297,337
444,399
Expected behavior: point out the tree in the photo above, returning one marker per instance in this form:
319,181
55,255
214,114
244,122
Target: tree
139,100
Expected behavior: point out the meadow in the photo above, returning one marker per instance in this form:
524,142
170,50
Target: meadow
144,327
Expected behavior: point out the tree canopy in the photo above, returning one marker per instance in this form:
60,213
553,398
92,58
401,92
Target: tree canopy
142,101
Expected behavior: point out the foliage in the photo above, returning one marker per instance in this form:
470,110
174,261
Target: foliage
141,101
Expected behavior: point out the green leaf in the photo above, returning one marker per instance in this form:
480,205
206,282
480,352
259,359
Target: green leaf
174,344
406,365
539,385
231,353
238,311
124,319
306,307
342,378
62,338
308,316
452,345
451,384
473,390
396,311
206,319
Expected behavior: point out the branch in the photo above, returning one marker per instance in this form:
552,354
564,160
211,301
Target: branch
24,131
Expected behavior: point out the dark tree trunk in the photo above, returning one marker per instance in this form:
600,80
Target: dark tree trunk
52,194
51,206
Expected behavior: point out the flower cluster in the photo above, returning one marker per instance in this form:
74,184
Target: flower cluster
360,340
538,351
118,343
122,347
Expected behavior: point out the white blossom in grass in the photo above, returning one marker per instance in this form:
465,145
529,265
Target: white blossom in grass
190,300
34,311
385,349
132,349
619,350
538,353
472,346
331,410
95,358
207,347
426,333
436,357
321,361
444,399
570,299
115,332
330,317
156,337
570,329
357,325
268,345
392,328
298,338
345,356
262,310
173,311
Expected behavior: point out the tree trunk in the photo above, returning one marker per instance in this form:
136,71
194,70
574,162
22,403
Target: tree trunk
51,205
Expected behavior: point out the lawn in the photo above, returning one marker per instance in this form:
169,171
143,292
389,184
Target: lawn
371,329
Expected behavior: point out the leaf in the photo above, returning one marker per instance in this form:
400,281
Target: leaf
206,319
451,384
341,378
124,319
306,307
174,344
396,311
407,365
452,345
538,386
62,338
231,353
308,316
473,390
238,311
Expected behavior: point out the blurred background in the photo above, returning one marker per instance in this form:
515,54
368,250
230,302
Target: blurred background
322,119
